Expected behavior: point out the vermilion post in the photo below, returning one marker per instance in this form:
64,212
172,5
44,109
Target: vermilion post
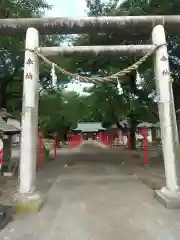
146,152
1,158
41,151
107,140
55,147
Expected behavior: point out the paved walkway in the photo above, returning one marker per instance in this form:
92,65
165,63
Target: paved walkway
92,199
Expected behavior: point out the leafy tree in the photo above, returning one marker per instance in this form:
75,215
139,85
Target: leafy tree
143,93
59,112
12,53
109,106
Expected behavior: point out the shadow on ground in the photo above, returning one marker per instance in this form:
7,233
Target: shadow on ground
93,157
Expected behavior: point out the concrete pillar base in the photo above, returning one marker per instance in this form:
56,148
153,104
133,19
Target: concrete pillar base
169,199
28,202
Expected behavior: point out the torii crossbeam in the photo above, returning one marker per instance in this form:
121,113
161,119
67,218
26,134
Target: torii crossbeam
88,24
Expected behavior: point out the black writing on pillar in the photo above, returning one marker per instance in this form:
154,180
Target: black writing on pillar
50,24
29,76
29,62
165,72
164,58
5,25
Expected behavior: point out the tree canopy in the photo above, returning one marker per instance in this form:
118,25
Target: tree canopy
60,109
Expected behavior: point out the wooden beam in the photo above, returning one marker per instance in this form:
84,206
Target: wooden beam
88,24
97,50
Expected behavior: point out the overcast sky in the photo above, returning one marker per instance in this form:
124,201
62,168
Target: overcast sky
69,8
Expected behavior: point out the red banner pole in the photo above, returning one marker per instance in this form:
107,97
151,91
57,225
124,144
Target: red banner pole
40,151
1,158
54,147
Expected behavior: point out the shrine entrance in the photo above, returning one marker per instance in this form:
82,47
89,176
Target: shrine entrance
34,52
167,116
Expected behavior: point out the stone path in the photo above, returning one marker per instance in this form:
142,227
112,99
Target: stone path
93,196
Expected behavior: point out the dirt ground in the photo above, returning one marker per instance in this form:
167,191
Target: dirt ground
152,176
96,194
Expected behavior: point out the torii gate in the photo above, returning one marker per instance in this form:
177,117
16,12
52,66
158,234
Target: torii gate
169,194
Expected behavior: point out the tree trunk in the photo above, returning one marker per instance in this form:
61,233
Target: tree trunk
3,100
4,83
133,124
132,138
58,138
65,136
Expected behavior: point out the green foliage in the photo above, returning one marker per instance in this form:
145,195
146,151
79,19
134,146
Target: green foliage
136,101
12,53
99,66
105,103
59,112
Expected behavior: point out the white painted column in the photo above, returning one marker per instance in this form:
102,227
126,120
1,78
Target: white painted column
29,115
169,134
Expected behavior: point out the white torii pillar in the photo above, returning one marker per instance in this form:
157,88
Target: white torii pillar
29,126
168,195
